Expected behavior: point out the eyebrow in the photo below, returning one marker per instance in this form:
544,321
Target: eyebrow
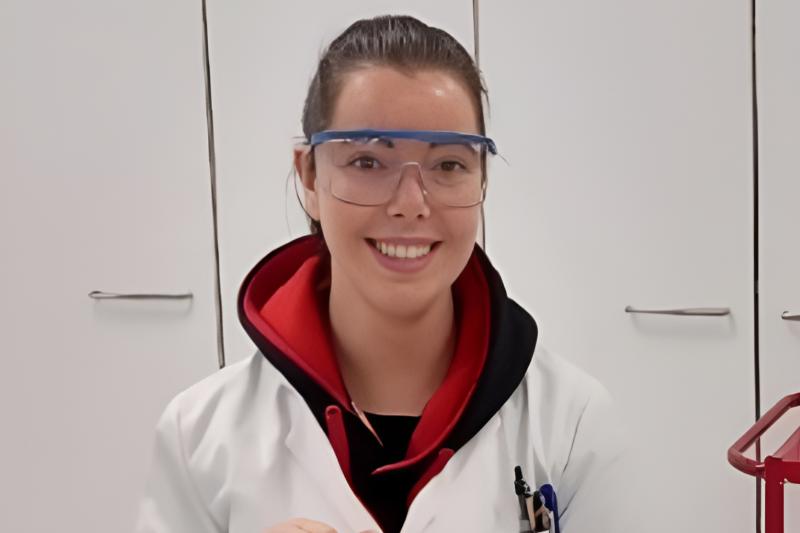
383,140
390,144
463,145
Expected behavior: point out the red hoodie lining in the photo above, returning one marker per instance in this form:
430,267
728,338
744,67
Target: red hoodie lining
307,340
432,471
338,437
268,283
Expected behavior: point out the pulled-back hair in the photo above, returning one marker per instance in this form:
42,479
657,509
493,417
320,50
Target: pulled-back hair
396,41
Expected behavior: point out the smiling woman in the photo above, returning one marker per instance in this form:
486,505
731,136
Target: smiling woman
394,377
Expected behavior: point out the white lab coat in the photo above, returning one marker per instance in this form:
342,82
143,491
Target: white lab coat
240,451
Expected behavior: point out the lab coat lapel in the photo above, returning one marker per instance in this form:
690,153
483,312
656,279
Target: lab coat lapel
474,491
311,450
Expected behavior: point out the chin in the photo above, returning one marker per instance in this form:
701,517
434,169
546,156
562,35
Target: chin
409,300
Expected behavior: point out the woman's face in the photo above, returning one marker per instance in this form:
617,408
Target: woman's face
386,98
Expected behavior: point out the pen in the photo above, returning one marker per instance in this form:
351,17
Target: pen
535,507
523,492
548,493
541,515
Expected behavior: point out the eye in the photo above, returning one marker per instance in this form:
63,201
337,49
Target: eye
365,163
451,165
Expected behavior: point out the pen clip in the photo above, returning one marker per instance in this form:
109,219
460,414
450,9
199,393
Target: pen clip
541,514
548,494
521,487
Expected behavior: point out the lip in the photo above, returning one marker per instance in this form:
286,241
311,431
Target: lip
404,265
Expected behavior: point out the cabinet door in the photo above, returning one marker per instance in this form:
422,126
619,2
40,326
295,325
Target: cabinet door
105,186
263,56
627,130
778,89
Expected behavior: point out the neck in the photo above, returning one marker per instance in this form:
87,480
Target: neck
391,363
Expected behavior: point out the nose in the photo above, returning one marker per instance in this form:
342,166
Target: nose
410,197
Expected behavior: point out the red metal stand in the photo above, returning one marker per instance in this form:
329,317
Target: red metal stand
778,468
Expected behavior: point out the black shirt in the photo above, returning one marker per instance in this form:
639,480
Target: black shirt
384,494
395,433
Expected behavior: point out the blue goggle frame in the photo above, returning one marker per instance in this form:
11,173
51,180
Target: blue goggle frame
431,136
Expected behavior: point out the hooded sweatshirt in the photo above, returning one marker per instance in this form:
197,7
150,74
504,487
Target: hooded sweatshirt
283,305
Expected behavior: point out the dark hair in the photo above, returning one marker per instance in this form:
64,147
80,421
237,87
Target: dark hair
399,41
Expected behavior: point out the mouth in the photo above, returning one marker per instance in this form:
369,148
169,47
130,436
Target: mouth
407,252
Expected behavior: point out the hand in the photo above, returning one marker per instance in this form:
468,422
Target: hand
300,525
303,525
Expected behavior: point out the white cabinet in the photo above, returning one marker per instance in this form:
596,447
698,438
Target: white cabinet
778,89
105,186
627,128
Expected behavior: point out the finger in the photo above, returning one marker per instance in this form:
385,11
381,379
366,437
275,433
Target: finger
312,526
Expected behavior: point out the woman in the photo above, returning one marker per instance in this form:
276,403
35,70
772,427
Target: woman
396,385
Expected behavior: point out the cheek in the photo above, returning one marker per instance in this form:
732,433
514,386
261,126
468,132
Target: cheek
463,226
341,223
462,232
330,221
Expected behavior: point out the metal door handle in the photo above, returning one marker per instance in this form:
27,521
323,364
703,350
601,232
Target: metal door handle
692,311
786,315
101,295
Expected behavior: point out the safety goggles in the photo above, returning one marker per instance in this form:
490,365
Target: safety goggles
364,167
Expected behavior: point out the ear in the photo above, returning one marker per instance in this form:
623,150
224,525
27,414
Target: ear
304,165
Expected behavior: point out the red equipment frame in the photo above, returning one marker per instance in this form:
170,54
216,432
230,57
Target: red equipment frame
776,469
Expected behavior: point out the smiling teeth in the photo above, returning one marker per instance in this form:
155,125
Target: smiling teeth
402,252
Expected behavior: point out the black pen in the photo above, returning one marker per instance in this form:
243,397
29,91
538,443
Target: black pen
523,492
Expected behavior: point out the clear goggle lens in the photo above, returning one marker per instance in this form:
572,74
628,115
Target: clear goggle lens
368,170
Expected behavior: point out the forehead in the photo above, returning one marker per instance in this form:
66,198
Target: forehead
387,98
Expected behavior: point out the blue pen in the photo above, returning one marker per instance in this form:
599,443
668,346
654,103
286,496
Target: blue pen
551,502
